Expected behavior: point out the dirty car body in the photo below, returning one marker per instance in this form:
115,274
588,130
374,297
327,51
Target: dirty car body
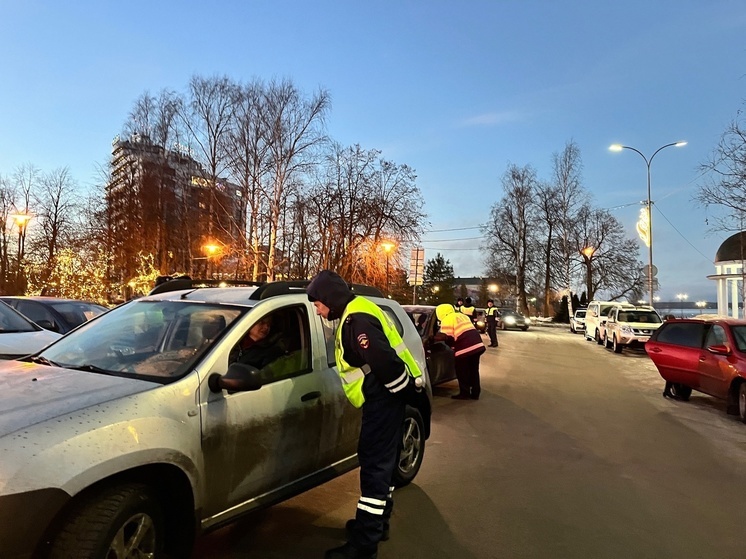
149,410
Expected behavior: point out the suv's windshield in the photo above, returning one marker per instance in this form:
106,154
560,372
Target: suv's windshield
639,316
155,340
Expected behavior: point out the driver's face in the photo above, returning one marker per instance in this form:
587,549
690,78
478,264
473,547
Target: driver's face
321,309
260,330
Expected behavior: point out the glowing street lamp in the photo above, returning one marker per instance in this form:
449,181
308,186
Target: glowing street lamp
588,253
387,246
646,229
701,305
682,297
211,250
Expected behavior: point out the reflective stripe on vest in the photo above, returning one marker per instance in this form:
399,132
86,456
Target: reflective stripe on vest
353,377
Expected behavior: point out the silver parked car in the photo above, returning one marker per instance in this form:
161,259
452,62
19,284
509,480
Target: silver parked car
144,424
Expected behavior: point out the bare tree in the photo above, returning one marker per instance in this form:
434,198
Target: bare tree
357,201
294,129
57,207
570,197
510,231
610,257
249,164
207,114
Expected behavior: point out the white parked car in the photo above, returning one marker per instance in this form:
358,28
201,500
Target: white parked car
577,321
630,327
19,336
146,425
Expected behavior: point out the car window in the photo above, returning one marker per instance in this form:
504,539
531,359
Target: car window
687,334
579,314
739,334
36,312
76,313
11,321
606,310
716,336
278,344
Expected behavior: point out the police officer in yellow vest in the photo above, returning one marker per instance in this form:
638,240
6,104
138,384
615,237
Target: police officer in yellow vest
378,374
492,313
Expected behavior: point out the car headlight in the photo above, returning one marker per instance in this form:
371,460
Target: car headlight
509,320
626,330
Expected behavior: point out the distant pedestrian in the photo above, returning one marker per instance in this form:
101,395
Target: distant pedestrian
458,332
459,304
492,314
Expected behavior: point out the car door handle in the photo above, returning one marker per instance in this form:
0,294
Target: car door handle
310,396
655,349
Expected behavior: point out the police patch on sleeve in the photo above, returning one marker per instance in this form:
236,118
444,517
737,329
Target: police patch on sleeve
363,340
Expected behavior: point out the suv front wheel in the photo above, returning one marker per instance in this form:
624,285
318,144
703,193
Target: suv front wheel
122,521
412,450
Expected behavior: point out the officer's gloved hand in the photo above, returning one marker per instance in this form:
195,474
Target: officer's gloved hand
408,393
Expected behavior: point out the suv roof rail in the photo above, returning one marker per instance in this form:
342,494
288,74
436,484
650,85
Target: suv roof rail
164,284
270,289
264,290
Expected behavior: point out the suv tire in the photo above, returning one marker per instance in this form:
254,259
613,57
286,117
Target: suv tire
616,345
598,339
101,523
412,450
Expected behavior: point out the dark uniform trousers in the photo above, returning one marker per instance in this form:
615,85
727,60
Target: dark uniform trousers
378,452
467,373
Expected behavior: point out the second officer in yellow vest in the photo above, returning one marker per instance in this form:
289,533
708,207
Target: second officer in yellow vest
379,374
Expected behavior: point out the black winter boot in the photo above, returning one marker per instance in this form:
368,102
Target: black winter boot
351,524
349,551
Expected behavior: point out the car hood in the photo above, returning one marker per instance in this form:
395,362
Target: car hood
25,343
31,394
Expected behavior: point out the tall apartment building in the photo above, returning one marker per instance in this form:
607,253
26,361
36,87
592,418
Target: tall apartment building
162,202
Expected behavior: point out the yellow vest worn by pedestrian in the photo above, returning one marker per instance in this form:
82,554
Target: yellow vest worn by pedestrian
468,311
353,377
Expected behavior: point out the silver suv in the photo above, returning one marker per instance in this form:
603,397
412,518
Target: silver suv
141,428
630,327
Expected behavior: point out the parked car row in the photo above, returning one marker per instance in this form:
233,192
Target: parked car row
620,325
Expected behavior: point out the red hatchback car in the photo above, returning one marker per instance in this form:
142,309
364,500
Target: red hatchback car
706,353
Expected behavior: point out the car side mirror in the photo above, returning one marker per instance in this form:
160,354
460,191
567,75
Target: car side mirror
719,349
239,378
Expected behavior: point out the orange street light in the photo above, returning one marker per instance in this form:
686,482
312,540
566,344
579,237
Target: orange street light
388,246
588,253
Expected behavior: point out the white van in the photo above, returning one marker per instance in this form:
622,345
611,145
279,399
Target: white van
595,319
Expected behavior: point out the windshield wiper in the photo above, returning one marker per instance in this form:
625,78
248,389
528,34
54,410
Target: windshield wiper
42,361
89,368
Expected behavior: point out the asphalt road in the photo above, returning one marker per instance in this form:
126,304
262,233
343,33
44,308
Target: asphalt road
571,452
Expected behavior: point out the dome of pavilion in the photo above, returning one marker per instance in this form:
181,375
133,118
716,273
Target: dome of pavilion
733,248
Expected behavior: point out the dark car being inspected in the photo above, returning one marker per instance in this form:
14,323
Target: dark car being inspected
438,355
706,353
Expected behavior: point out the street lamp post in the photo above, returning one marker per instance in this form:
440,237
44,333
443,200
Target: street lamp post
681,297
588,253
21,219
619,147
387,247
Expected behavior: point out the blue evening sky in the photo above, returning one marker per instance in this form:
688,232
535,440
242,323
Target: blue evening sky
456,90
